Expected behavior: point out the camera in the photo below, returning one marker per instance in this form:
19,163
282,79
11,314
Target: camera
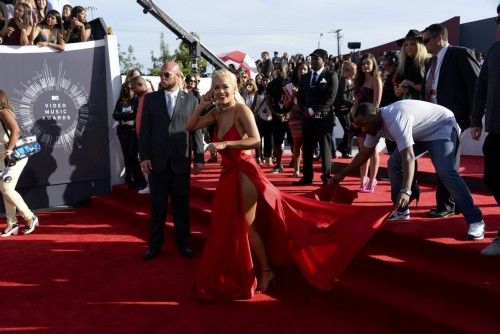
4,175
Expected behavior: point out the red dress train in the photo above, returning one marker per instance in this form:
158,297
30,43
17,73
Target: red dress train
320,238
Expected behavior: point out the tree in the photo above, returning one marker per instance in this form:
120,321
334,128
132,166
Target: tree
181,56
128,60
164,56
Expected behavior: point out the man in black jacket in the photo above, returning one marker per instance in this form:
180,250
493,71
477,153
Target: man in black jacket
449,80
317,91
487,101
165,153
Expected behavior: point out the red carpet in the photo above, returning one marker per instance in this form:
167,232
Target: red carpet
82,272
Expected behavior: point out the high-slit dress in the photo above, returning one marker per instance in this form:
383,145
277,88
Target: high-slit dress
320,238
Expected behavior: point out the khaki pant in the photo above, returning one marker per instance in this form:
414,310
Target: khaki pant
11,198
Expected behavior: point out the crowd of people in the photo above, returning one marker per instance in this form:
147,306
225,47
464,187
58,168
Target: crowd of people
420,98
45,23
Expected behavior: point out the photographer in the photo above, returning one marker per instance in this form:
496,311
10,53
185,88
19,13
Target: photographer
9,134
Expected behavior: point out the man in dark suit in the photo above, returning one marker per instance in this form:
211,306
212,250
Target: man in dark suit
449,80
317,91
487,102
165,153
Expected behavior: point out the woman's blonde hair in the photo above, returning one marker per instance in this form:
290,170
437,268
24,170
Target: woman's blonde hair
5,103
223,73
27,13
251,82
420,58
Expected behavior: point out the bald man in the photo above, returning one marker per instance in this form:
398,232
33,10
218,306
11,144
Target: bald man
165,152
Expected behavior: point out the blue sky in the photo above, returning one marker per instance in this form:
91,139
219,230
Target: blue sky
293,26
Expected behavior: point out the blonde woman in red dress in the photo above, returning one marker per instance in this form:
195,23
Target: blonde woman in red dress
251,216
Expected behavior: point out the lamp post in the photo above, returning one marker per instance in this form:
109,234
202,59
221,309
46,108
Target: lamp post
337,32
319,40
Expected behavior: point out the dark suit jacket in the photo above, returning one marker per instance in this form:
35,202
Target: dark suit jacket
320,97
487,96
165,141
456,83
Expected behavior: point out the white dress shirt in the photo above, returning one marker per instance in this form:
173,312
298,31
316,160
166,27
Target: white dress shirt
439,62
173,95
318,73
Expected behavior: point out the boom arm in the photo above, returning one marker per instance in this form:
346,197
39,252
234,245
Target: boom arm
196,48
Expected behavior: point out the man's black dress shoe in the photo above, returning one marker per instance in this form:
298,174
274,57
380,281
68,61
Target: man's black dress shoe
186,252
301,182
325,179
434,213
150,254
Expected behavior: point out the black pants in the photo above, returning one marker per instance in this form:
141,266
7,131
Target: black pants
130,149
345,144
491,152
280,129
266,135
317,130
176,187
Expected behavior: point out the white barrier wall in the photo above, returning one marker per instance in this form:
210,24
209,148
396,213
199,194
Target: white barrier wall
64,98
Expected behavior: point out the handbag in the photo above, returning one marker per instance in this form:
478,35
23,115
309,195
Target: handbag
26,145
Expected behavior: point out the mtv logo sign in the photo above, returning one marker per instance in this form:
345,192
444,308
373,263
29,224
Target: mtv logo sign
55,97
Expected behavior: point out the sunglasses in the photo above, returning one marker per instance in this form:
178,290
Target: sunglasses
428,39
167,75
194,80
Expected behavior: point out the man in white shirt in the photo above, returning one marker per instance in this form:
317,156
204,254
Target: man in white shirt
416,126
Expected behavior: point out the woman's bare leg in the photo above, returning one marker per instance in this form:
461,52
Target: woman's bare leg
250,195
363,170
297,146
374,164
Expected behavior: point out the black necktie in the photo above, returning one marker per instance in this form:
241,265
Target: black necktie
314,78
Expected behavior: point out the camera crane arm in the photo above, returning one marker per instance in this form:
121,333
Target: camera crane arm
196,48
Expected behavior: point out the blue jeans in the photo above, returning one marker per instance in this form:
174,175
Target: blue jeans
442,154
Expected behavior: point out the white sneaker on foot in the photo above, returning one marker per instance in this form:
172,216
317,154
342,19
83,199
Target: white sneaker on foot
476,231
399,215
144,191
493,248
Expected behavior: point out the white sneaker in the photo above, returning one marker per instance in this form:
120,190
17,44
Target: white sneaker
399,215
144,191
493,248
476,231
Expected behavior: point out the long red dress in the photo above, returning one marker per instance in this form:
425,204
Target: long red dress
320,238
